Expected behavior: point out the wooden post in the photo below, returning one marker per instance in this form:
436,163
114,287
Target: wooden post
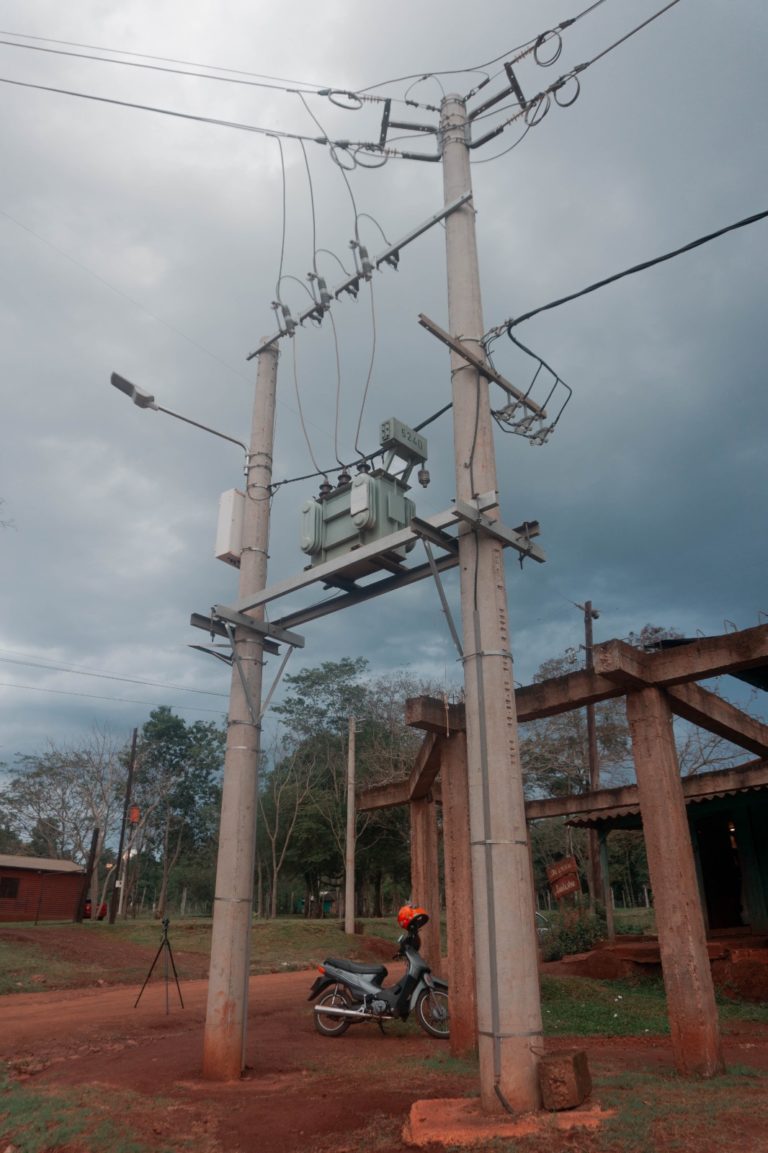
425,881
458,894
685,964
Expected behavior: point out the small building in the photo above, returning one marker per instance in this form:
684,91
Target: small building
39,889
727,814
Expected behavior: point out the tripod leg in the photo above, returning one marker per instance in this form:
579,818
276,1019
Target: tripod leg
175,974
149,974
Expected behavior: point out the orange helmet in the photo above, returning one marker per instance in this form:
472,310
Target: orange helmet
410,913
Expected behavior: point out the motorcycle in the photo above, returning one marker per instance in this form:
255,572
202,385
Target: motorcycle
350,991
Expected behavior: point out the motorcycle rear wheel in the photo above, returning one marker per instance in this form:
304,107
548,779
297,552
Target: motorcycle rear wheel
327,1023
433,1014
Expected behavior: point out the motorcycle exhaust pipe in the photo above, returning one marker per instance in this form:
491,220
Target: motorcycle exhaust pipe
331,1011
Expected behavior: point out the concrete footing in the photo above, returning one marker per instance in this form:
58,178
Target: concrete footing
460,1121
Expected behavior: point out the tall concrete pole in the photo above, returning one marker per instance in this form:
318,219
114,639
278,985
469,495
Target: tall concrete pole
508,996
349,856
227,1011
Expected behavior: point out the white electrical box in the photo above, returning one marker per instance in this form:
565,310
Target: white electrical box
229,530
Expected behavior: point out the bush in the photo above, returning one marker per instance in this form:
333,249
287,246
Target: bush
573,931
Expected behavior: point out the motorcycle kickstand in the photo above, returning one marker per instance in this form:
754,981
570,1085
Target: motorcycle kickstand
380,1023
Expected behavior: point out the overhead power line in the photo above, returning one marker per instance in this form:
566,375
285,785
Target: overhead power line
161,59
513,321
80,672
259,130
113,700
159,67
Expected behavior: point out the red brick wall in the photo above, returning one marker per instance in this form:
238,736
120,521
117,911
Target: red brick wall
41,896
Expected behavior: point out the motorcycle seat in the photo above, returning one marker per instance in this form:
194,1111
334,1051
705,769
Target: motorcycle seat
356,966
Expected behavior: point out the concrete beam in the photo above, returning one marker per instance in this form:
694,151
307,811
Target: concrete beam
425,767
698,660
711,712
383,796
434,715
561,694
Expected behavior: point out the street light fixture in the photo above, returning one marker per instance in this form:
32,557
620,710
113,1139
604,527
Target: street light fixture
146,400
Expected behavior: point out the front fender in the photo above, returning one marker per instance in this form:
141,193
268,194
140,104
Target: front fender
427,981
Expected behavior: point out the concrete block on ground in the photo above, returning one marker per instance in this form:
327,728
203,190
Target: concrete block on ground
564,1079
462,1122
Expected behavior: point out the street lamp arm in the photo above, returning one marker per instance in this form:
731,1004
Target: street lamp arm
146,400
205,427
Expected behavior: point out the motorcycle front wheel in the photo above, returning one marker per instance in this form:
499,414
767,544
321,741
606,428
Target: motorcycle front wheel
327,1023
432,1013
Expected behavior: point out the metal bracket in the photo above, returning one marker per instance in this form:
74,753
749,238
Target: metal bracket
255,716
519,538
352,283
479,364
443,598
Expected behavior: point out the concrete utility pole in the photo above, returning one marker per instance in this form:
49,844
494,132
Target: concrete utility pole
349,856
121,870
227,1011
508,996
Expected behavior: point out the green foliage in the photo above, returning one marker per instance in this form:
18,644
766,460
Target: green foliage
572,931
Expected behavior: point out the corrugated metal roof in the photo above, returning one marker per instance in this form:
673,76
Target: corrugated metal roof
39,864
628,816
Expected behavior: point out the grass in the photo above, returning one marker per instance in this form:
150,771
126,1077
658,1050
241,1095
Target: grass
21,964
36,1121
582,1007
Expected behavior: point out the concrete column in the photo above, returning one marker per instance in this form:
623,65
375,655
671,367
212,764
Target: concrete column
506,948
425,880
227,1009
685,964
458,894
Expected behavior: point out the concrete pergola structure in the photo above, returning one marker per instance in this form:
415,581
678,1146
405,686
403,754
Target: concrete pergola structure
657,686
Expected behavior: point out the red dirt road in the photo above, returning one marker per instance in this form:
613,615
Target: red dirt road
301,1091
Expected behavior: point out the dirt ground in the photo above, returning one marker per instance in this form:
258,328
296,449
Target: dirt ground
301,1091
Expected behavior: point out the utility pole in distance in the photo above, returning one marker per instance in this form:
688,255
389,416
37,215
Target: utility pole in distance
227,1009
349,856
508,995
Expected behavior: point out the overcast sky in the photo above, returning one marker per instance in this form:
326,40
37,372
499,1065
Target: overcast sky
150,245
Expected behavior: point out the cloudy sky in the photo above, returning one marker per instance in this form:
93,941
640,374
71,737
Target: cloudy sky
150,245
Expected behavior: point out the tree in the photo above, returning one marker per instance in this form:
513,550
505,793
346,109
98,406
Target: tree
55,799
176,787
283,791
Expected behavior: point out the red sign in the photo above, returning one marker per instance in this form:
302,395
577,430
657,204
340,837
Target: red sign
562,868
564,886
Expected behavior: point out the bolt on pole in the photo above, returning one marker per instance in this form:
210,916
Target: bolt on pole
227,1009
508,996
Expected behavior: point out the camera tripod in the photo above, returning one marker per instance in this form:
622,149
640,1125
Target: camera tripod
165,949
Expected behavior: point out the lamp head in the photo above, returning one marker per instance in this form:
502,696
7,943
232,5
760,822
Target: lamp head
137,395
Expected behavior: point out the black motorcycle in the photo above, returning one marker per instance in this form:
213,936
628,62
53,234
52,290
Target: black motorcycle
350,991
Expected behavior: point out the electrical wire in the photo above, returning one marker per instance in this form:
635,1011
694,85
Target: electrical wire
282,230
370,367
513,321
157,67
73,671
114,700
259,130
301,411
362,460
162,59
520,139
124,295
